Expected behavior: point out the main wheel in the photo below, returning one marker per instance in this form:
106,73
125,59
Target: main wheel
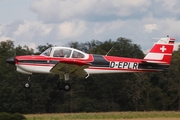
67,87
60,85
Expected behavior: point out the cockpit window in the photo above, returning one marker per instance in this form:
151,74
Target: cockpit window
47,52
77,55
62,53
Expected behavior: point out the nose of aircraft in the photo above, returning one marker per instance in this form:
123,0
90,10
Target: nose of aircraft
10,60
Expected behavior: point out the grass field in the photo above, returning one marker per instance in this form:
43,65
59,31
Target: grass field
154,115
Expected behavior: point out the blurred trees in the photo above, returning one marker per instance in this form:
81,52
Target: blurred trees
107,92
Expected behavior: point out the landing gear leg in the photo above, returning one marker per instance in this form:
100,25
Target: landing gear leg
27,84
60,84
64,85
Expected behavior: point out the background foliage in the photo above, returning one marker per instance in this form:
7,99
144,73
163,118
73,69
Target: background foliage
108,92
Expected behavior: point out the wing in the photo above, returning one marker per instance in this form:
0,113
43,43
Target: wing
71,66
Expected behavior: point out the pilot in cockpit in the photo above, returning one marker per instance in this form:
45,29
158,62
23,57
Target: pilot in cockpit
60,53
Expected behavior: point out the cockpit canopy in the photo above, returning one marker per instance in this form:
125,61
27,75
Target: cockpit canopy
64,52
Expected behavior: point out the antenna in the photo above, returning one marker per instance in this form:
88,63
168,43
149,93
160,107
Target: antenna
109,51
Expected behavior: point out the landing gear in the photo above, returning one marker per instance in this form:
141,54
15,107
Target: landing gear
64,84
27,84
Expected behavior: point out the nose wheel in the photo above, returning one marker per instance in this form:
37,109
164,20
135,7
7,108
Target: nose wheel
27,84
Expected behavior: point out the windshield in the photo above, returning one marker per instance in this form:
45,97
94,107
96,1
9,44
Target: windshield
47,52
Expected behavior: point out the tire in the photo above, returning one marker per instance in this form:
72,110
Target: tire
67,87
60,85
27,85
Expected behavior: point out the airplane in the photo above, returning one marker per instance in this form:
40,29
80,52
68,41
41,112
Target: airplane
65,61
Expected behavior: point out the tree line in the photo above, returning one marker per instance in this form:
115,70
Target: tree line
98,93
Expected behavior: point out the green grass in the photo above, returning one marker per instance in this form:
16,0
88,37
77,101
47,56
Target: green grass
104,115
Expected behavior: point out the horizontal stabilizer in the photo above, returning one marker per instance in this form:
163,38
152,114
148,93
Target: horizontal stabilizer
158,62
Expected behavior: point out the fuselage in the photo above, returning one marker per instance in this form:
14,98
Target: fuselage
158,59
99,64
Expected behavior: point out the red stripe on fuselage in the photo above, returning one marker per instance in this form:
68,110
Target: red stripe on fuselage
90,59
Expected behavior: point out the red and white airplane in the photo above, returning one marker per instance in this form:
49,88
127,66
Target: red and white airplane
66,61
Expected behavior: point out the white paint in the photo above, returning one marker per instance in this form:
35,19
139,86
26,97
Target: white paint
33,69
154,56
163,48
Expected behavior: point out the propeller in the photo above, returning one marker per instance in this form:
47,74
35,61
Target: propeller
11,60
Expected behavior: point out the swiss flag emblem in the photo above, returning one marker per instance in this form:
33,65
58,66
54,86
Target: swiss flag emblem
162,49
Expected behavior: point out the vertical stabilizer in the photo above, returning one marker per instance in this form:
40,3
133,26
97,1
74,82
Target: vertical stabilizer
161,51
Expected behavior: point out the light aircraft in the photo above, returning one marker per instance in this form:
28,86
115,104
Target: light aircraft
66,61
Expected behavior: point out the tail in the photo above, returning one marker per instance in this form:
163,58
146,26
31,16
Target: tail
161,51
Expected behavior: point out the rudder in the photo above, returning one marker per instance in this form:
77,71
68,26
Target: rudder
161,52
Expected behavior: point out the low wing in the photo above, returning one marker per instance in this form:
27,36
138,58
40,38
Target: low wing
71,66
